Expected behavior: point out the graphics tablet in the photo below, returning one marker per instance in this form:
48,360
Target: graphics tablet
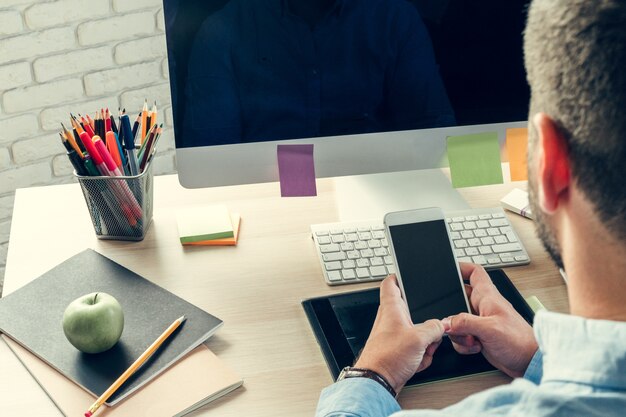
341,324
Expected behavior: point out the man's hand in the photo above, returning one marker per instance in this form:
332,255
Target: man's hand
396,348
498,331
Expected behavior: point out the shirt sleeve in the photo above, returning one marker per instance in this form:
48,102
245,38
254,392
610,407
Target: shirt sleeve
356,397
534,372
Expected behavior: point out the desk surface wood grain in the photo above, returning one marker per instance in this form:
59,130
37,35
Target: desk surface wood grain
255,287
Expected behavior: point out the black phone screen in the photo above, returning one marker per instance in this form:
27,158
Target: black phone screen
428,270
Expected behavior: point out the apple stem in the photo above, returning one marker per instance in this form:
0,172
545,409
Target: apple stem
94,298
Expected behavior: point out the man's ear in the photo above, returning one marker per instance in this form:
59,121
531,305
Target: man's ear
553,173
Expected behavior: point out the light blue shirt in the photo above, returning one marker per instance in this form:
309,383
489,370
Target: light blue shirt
579,370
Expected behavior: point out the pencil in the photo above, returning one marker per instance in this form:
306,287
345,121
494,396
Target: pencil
131,370
144,120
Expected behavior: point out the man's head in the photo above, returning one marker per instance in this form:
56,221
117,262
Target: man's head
575,53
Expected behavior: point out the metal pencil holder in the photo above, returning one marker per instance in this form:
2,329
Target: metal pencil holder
120,207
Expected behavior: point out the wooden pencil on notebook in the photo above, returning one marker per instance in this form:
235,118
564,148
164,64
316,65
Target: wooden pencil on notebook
136,365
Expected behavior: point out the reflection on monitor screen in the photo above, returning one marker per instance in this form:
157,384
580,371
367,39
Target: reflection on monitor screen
368,74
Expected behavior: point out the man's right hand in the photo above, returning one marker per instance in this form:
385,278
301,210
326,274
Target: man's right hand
506,340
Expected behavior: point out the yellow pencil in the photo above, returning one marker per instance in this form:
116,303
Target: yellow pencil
144,121
131,370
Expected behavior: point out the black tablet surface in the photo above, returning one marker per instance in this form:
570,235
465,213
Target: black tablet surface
341,324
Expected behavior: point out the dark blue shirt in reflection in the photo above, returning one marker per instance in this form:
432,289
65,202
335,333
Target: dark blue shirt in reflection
257,72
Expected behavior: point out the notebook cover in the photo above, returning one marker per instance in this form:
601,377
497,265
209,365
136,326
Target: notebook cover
341,324
32,316
195,380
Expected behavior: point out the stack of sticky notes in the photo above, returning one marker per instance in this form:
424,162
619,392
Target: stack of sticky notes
208,226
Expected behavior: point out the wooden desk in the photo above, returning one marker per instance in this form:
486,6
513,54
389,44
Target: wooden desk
255,287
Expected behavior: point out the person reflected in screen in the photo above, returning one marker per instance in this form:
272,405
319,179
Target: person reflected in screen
282,69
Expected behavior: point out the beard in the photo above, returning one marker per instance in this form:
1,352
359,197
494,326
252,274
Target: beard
544,230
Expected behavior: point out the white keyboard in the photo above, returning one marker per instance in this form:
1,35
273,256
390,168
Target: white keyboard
359,251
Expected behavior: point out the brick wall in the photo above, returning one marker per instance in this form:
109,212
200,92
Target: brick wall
61,56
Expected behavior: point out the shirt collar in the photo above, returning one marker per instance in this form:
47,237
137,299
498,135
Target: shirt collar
582,350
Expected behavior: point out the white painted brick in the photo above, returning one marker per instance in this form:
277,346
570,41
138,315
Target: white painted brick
119,79
140,50
42,95
61,166
10,22
163,163
169,116
127,5
42,147
161,20
6,206
9,3
165,69
52,117
15,75
25,176
5,229
5,159
42,15
37,43
18,127
73,62
134,99
115,28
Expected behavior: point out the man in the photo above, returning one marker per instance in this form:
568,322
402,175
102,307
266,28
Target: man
575,365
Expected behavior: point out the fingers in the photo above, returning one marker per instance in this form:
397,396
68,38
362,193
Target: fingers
389,289
467,349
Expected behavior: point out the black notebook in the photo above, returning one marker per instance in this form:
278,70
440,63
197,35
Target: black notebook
32,316
342,323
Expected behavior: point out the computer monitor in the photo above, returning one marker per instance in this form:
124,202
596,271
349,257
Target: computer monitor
375,85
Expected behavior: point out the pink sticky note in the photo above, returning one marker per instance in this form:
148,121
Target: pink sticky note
296,169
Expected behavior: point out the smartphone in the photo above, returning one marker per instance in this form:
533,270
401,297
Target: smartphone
426,268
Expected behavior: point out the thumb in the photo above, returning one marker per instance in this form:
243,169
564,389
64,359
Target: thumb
465,324
429,332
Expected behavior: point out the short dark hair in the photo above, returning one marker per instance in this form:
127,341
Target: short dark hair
575,54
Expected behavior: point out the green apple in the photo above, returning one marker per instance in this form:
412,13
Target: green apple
94,322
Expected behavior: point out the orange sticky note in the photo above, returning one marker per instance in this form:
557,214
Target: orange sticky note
517,148
229,241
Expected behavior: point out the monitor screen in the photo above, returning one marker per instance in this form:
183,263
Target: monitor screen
261,71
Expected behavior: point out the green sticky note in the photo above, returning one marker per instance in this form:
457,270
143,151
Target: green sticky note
534,303
474,159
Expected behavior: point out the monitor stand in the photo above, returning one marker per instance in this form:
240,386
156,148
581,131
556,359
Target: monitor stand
371,196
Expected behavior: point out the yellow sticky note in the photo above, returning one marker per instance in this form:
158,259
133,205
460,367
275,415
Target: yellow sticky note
230,241
204,223
517,149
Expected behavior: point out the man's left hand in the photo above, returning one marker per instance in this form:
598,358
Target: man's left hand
397,348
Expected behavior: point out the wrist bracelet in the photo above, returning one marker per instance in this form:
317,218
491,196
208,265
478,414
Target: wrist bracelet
352,372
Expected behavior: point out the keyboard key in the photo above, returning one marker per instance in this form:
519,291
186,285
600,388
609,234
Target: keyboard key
333,256
459,252
378,271
374,243
521,258
338,238
488,240
362,263
332,247
352,237
353,254
362,273
501,239
473,242
367,253
332,266
498,215
485,216
384,243
388,260
348,274
493,261
493,231
471,218
378,227
321,233
348,264
506,259
498,222
333,276
364,235
469,225
349,230
480,233
467,234
511,236
507,247
380,252
485,250
376,261
482,224
458,219
456,227
462,243
323,240
505,230
471,251
479,260
465,259
391,269
453,235
336,231
360,245
346,246
363,229
378,234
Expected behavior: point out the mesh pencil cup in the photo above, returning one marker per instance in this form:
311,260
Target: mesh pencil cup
120,207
